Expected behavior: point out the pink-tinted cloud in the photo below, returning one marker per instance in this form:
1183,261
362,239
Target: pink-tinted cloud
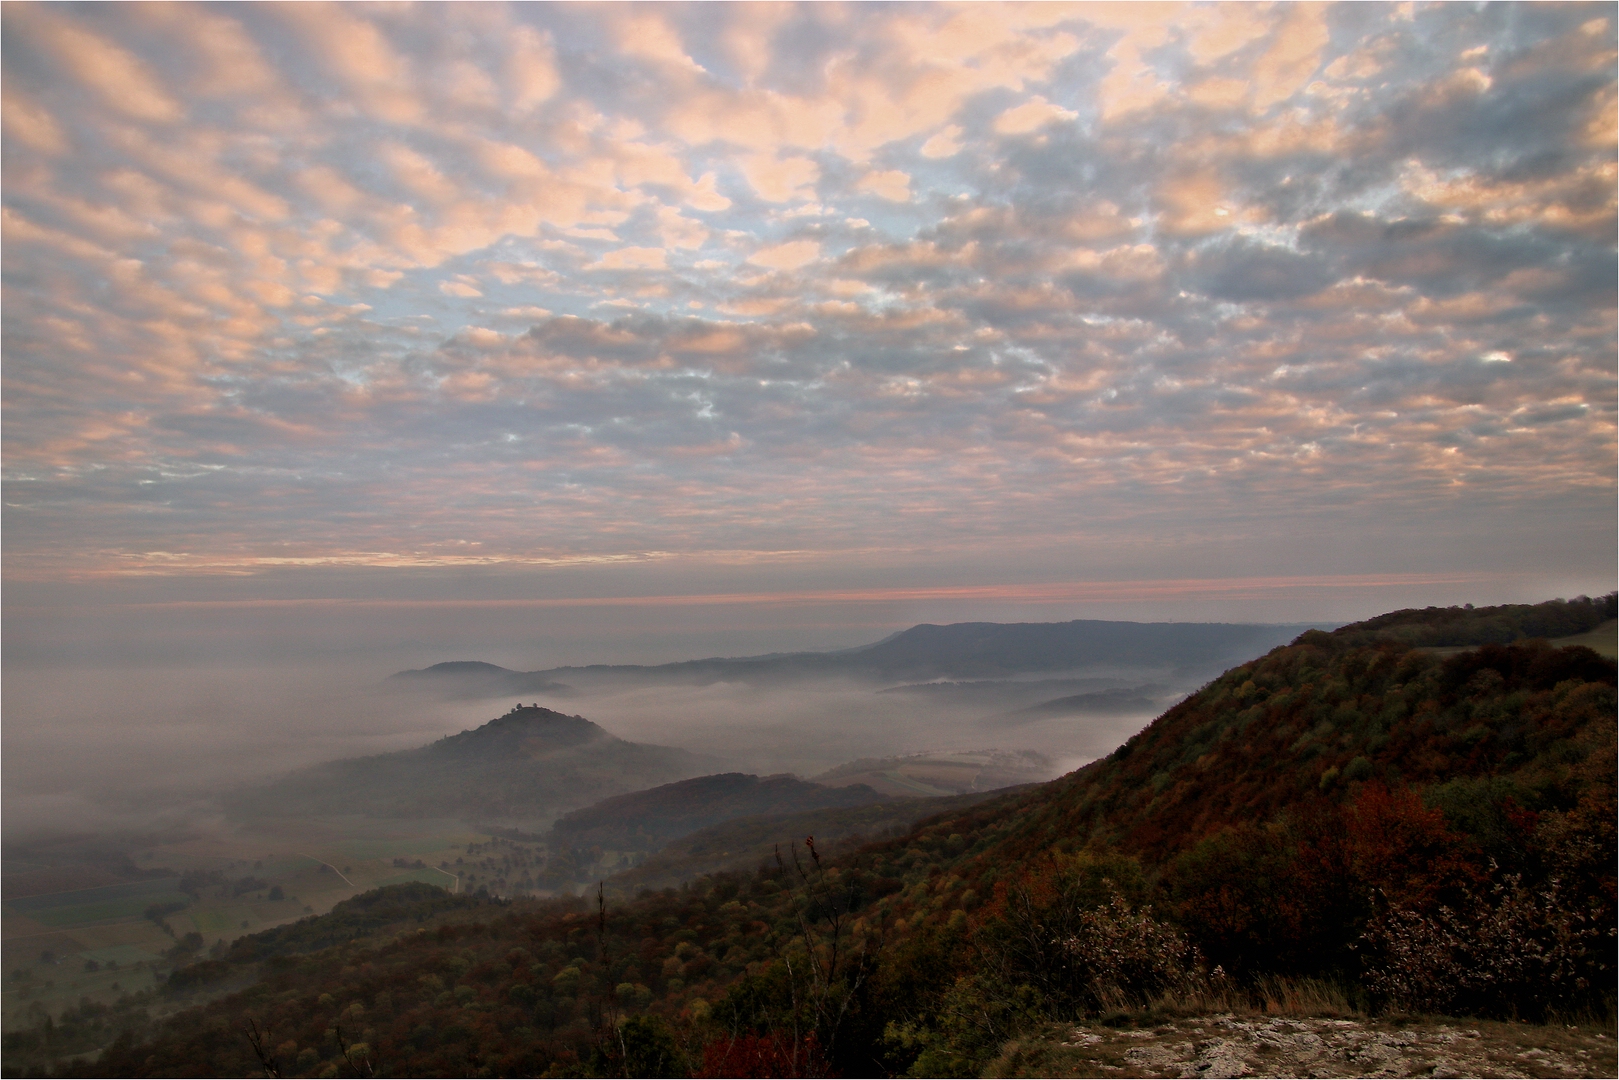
336,285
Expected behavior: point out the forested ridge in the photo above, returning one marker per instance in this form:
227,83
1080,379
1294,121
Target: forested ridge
1424,831
646,820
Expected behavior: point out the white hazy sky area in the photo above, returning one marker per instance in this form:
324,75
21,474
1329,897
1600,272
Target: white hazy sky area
390,334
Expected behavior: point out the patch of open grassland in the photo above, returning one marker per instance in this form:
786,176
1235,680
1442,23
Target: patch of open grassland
1602,639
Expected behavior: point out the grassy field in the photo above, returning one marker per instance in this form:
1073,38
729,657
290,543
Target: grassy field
124,890
108,903
1602,639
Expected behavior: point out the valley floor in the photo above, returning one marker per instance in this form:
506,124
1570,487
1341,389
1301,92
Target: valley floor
1229,1046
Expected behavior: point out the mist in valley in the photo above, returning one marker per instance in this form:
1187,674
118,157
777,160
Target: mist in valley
137,749
811,727
136,704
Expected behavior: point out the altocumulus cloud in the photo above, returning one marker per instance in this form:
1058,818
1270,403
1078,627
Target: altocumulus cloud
418,284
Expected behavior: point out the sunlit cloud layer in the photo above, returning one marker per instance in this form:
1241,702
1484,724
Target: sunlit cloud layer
429,285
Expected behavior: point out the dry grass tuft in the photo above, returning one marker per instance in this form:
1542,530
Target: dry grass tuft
1271,996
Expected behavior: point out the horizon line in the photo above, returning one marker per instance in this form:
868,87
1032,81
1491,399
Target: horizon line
1047,592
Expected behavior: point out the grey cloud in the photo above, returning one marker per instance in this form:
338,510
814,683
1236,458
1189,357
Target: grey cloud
1539,417
1531,111
1242,270
1441,258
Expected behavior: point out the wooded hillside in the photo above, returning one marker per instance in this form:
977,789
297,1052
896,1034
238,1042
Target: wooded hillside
1424,832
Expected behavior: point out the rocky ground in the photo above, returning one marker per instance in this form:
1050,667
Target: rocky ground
1230,1045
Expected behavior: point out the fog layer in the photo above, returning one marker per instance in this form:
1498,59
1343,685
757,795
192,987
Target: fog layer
124,710
138,749
96,747
120,749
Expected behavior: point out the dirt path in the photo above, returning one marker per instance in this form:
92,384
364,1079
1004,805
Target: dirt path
333,869
1230,1046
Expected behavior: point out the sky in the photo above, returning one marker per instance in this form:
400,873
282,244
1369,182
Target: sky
648,331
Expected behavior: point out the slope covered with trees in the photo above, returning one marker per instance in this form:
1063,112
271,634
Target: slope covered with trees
647,820
745,843
1420,831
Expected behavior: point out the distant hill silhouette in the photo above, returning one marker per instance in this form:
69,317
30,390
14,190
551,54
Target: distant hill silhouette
459,667
528,731
476,679
987,650
645,821
924,652
523,768
1143,699
941,773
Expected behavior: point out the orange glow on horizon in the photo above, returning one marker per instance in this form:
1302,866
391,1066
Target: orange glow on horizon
1044,593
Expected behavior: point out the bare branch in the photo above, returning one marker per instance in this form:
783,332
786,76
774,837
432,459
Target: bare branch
260,1041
